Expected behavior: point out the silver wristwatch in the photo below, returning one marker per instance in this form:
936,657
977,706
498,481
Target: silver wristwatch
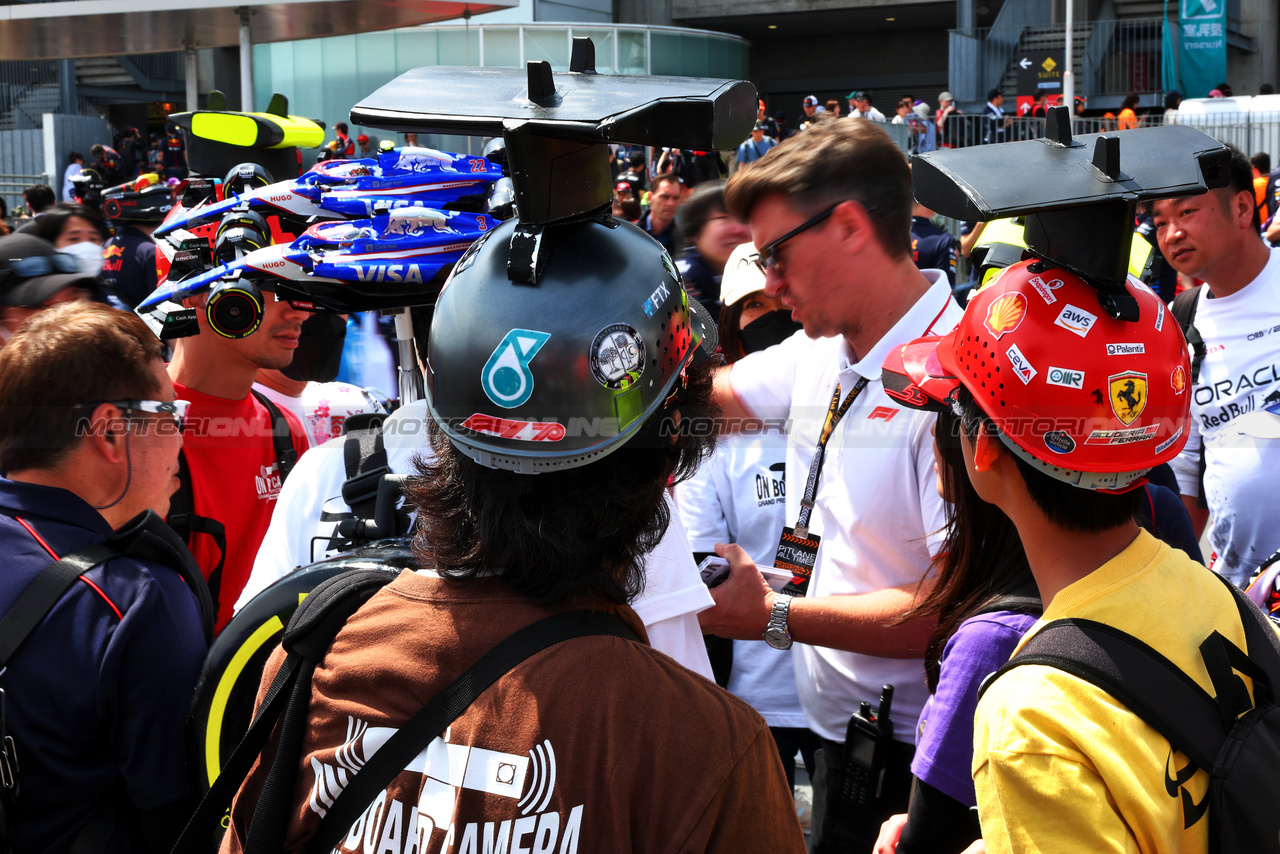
776,634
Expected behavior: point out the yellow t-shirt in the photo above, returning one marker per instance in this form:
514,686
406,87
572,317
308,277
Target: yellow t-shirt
1061,766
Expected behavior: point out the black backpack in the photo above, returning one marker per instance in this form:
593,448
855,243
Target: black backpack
286,703
1238,743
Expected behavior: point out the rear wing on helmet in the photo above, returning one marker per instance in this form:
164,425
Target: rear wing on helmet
1078,194
556,126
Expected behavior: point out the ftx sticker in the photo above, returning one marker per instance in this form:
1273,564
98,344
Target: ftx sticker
506,378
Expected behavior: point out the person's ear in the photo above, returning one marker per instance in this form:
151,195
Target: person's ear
104,430
986,451
854,222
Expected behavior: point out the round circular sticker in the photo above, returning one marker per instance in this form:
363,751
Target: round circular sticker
1059,442
617,356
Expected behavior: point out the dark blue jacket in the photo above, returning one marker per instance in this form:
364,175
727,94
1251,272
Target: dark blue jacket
129,265
934,249
97,698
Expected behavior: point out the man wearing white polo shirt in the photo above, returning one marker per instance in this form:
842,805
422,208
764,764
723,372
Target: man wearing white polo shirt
832,218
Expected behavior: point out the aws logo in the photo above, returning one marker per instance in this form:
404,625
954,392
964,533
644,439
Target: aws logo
506,378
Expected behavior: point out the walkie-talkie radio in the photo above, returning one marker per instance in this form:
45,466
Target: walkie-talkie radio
866,752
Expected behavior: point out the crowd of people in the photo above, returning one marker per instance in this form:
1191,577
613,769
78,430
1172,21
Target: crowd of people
869,437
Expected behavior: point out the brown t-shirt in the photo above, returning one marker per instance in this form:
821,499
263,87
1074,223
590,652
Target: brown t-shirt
596,744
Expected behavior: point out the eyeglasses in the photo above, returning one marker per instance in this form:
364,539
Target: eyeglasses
40,265
175,409
767,258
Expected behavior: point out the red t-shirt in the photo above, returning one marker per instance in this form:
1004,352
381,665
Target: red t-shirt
235,479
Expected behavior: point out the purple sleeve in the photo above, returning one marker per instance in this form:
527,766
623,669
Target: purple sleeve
944,749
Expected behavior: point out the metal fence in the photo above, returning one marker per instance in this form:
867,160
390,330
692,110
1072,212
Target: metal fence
1111,57
1250,132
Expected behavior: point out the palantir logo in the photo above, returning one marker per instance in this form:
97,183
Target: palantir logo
506,378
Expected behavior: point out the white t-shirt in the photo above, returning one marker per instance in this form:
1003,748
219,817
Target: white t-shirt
877,508
668,606
323,407
1240,374
739,496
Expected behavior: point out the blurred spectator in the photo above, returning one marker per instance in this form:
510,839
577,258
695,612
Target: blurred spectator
346,148
770,126
933,248
34,277
948,130
664,201
132,155
757,145
692,167
860,107
709,236
108,163
1171,101
625,204
76,230
901,110
833,108
1128,118
634,174
155,154
1266,89
785,131
75,163
39,198
811,110
994,121
365,147
411,139
175,155
1261,163
925,129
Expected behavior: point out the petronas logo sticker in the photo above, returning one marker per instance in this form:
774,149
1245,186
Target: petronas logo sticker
506,378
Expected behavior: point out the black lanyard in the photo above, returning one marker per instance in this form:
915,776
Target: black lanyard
835,411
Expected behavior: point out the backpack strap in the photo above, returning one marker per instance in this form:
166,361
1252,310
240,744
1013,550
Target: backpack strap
1146,682
1183,310
147,537
1164,696
44,591
186,523
412,738
307,637
281,436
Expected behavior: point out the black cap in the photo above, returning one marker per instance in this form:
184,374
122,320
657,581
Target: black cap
994,93
33,290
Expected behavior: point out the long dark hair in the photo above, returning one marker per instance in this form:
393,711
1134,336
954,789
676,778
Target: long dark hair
581,531
982,557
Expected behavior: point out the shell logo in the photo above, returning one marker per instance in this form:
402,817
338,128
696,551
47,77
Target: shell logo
1178,379
1006,313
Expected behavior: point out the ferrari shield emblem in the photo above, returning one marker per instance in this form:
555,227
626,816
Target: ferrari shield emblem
1128,395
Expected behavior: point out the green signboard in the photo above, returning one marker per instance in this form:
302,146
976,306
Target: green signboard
1202,58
